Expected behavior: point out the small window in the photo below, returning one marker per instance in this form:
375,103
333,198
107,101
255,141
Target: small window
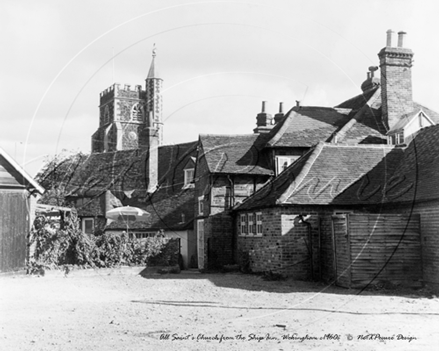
243,226
259,220
188,178
136,113
282,162
106,114
145,235
200,205
88,226
251,223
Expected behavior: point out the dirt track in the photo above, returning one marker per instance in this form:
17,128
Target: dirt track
121,310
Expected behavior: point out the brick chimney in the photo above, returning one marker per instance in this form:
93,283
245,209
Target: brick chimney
280,115
264,120
396,84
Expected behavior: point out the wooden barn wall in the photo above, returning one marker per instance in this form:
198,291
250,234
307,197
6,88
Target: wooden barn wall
383,247
14,227
429,229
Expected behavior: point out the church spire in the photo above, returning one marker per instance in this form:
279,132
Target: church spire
152,73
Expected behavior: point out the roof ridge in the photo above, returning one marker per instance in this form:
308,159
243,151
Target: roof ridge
282,129
360,146
227,135
359,95
341,132
303,173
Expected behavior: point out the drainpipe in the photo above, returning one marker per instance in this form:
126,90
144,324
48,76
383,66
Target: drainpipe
234,236
309,235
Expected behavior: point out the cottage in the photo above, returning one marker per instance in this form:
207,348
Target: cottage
230,168
18,198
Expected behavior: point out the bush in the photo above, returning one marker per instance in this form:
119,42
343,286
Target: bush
54,247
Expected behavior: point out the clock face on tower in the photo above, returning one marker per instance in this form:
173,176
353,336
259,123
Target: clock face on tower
132,136
129,140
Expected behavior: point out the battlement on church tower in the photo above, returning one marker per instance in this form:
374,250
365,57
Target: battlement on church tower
118,90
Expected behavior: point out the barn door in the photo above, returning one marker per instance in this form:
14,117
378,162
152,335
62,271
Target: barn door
200,244
341,250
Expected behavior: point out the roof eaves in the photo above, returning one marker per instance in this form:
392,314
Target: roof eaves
407,120
303,173
20,170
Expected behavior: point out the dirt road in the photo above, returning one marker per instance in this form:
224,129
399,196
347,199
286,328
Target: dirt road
122,310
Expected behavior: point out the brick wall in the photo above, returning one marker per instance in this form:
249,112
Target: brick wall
287,246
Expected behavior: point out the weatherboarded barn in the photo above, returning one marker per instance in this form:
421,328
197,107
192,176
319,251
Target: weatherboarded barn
352,214
376,247
18,192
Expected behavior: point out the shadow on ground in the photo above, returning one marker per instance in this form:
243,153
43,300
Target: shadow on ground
253,282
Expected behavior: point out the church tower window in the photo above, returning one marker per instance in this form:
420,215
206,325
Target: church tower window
106,114
136,113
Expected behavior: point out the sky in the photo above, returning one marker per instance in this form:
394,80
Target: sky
218,60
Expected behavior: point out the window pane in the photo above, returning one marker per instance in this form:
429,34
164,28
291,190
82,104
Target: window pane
88,226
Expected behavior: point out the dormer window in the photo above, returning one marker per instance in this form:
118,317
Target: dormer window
397,138
282,162
188,181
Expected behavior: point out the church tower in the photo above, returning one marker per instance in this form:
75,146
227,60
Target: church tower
130,118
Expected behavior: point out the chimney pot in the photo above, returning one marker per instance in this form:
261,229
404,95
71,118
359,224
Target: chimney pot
281,108
263,107
400,39
389,37
298,102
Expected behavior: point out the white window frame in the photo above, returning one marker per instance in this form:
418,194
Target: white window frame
83,225
200,205
400,137
279,160
243,225
251,223
188,181
259,223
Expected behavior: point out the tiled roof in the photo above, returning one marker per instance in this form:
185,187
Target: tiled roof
321,175
123,174
237,154
420,167
305,126
365,127
357,175
359,101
